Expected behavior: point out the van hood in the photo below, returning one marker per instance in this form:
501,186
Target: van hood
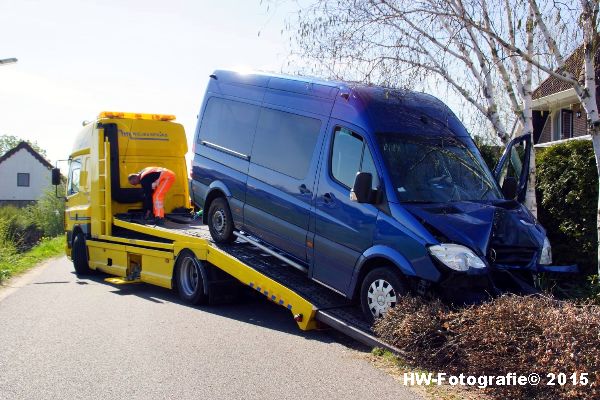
502,231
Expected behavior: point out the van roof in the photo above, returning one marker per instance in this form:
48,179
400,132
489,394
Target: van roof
260,78
387,109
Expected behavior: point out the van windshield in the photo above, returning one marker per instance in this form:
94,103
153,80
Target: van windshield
436,168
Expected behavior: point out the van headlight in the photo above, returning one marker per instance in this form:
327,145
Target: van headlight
546,256
456,257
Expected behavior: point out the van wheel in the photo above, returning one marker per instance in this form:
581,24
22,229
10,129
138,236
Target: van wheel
380,291
79,255
220,222
188,278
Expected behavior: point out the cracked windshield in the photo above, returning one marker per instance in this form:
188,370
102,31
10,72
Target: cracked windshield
438,168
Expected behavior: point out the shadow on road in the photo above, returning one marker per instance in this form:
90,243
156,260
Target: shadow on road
250,307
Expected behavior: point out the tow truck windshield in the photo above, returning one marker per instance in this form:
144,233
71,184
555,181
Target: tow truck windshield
436,168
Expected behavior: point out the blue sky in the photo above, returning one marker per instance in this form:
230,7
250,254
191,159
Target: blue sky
79,57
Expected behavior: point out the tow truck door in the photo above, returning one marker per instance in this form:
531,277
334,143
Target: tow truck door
512,171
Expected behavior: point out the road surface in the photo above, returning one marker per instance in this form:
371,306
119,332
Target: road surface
62,337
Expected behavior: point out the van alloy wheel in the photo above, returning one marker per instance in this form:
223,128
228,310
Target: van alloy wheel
381,297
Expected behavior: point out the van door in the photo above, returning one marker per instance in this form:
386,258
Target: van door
281,178
512,171
343,228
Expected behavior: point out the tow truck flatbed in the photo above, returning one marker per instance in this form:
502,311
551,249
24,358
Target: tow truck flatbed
308,301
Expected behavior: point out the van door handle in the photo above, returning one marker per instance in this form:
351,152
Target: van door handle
328,198
304,190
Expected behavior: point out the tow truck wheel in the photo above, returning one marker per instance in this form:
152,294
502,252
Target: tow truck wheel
380,291
79,255
188,278
220,221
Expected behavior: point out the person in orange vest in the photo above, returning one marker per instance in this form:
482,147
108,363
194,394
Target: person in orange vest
156,182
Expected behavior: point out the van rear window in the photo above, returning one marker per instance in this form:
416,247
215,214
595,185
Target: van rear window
229,124
285,142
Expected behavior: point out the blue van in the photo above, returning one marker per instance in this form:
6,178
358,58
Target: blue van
377,192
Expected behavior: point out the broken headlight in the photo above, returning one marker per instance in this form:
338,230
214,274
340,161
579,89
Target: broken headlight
456,257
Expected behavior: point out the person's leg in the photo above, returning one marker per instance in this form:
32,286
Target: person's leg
164,184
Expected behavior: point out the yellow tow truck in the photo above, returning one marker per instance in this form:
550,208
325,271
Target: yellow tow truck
105,229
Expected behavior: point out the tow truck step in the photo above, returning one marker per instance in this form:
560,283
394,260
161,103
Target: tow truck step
115,280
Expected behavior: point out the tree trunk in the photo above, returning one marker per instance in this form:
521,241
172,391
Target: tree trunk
596,143
530,200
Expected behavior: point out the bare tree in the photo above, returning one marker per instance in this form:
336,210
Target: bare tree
516,75
401,42
585,86
390,43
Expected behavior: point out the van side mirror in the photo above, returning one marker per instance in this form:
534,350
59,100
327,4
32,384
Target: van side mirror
361,192
56,176
510,187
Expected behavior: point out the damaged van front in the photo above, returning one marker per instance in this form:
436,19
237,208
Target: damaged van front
479,237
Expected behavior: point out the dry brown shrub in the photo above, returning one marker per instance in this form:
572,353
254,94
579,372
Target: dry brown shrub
508,334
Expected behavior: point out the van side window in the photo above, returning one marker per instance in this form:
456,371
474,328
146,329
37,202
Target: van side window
368,165
347,158
285,142
229,124
74,171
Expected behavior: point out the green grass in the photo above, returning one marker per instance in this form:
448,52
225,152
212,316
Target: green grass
12,262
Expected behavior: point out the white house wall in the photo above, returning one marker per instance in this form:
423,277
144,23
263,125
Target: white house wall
23,162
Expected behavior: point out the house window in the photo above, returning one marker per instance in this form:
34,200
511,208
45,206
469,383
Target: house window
566,125
562,124
556,125
22,179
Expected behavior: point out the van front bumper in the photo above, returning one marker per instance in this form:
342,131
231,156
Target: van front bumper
463,288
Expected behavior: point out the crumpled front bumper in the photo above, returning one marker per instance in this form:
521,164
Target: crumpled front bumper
464,288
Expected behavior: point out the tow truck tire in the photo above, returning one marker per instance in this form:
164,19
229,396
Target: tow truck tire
380,290
79,255
220,221
188,279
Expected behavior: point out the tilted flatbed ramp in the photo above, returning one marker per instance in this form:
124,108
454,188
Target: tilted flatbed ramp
308,301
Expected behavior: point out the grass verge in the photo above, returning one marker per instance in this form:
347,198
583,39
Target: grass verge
397,368
12,262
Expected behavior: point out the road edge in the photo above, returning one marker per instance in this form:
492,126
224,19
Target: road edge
19,281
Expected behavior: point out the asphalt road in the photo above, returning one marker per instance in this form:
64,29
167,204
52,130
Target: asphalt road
62,337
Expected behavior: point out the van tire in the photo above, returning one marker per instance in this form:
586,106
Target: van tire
220,221
79,255
188,279
380,290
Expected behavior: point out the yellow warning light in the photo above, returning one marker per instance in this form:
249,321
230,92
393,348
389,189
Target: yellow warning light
129,115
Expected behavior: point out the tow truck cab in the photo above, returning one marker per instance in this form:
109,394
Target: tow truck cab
132,141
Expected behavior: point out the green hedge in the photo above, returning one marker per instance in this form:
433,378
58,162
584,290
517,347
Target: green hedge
23,228
567,197
567,193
